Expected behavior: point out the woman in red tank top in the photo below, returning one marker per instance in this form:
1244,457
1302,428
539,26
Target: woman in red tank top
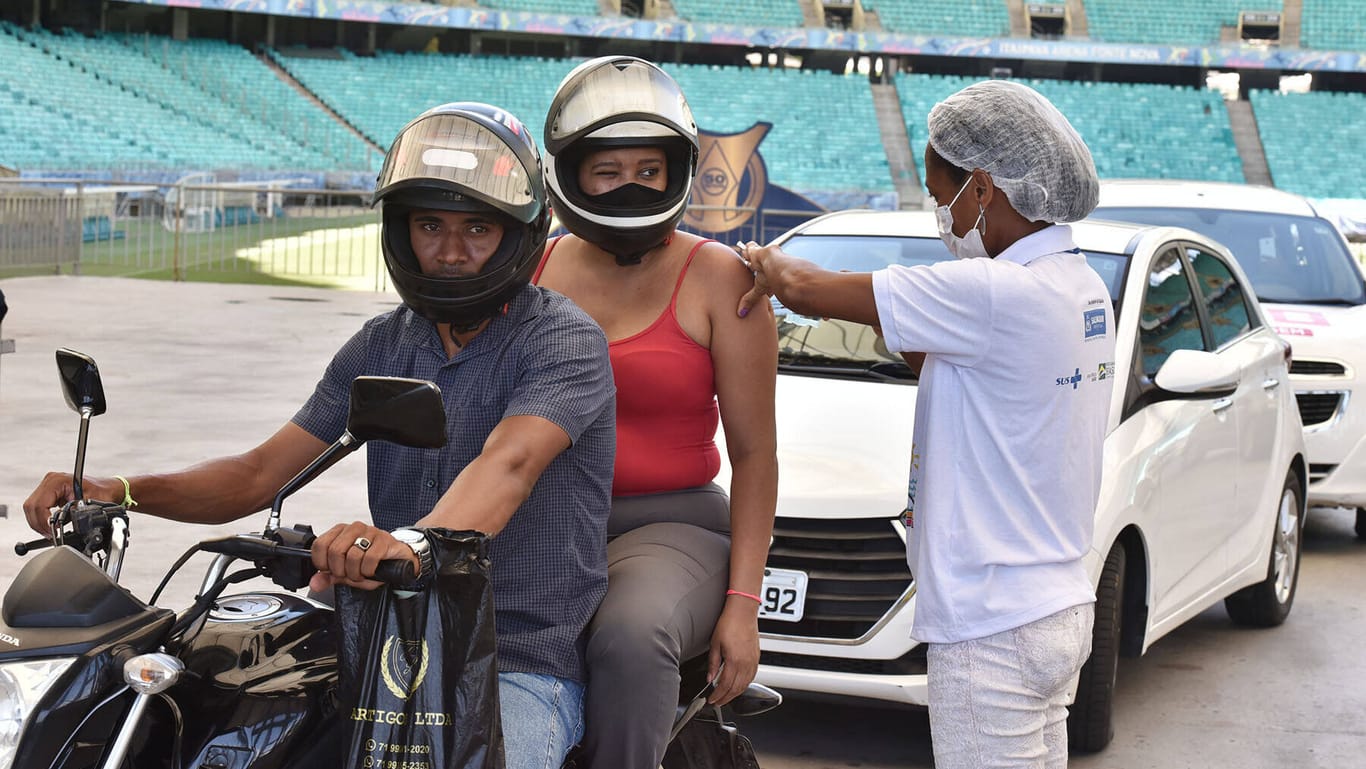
685,567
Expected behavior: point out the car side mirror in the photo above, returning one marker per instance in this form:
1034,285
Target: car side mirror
1196,372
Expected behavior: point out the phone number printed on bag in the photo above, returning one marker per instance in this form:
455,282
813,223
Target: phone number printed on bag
385,749
392,763
783,594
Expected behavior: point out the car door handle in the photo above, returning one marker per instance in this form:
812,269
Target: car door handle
1222,405
1270,384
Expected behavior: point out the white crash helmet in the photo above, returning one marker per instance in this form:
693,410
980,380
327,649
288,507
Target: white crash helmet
619,101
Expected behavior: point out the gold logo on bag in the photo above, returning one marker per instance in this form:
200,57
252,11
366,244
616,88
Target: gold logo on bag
403,665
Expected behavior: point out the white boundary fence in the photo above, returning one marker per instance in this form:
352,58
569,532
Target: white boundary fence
57,225
233,231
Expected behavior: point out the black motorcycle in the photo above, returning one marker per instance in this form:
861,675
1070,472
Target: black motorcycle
92,676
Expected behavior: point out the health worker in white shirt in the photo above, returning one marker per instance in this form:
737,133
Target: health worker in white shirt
1011,340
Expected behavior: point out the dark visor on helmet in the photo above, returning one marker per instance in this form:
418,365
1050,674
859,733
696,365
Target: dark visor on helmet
460,161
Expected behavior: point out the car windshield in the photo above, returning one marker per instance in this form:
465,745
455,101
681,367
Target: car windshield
836,348
1288,259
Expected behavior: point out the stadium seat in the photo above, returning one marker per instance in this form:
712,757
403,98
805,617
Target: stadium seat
1334,167
756,13
966,18
1168,22
1134,130
1339,25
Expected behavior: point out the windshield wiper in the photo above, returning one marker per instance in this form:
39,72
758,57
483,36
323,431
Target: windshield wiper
882,371
1319,302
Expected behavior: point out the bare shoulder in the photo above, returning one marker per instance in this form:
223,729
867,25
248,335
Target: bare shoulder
719,267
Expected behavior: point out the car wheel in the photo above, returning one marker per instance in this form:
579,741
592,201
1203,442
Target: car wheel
1267,603
1090,726
1361,522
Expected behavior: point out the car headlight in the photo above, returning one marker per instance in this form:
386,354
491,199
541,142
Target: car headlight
22,685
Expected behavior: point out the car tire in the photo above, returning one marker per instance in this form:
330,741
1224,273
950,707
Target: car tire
1090,725
1361,523
1267,603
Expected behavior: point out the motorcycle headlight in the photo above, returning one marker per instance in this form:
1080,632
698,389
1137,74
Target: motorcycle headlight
22,685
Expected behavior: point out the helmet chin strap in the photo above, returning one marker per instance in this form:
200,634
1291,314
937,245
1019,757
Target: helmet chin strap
630,258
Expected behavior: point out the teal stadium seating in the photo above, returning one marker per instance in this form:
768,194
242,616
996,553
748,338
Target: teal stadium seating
825,135
1168,22
137,113
964,18
1313,141
1334,25
1134,130
753,13
379,94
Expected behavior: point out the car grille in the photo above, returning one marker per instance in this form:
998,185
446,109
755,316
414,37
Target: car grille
1319,472
856,571
1317,368
909,664
1317,408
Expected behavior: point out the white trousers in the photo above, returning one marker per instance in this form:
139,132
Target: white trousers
1000,702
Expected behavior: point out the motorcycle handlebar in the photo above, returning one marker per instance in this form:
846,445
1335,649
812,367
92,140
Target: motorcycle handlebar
24,548
395,572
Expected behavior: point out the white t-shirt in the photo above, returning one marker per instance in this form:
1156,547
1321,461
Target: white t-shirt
1009,426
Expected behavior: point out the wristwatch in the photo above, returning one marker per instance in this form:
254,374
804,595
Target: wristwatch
417,540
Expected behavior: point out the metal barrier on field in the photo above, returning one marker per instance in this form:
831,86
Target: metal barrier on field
174,231
315,235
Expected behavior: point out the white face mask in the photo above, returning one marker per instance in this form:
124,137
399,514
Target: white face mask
970,246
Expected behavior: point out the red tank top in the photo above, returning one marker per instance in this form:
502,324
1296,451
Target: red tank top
666,403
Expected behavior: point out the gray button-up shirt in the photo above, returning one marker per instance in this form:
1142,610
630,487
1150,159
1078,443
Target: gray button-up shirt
542,357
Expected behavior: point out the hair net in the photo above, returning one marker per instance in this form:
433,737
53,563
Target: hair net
1033,154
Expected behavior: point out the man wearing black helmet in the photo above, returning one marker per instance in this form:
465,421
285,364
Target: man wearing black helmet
530,417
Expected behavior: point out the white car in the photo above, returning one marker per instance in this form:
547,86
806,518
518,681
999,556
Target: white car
1314,295
1202,496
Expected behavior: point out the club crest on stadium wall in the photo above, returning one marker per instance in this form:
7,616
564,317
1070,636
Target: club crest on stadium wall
731,179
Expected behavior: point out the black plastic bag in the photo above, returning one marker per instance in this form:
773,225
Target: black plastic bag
707,741
418,677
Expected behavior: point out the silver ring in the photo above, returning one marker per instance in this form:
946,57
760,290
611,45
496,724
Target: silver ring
362,543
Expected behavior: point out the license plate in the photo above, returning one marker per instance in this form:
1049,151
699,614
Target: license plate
783,594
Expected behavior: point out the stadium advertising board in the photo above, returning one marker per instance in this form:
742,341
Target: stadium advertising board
425,15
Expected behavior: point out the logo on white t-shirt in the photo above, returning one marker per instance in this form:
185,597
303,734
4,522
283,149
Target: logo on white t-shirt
1093,323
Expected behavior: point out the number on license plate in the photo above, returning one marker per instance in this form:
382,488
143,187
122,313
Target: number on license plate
783,594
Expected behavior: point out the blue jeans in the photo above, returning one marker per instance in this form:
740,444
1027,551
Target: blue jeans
542,719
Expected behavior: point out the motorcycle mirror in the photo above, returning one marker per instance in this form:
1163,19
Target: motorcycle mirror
85,395
80,382
404,411
408,412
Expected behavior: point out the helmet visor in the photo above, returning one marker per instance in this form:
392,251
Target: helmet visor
457,162
605,93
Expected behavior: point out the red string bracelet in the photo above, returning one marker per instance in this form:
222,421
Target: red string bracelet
750,596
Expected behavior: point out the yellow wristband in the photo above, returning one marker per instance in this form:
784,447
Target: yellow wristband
128,501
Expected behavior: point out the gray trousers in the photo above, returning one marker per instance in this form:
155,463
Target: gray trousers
668,565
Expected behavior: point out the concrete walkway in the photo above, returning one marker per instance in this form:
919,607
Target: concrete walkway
191,371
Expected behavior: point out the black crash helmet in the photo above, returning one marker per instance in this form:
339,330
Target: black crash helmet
619,101
463,156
